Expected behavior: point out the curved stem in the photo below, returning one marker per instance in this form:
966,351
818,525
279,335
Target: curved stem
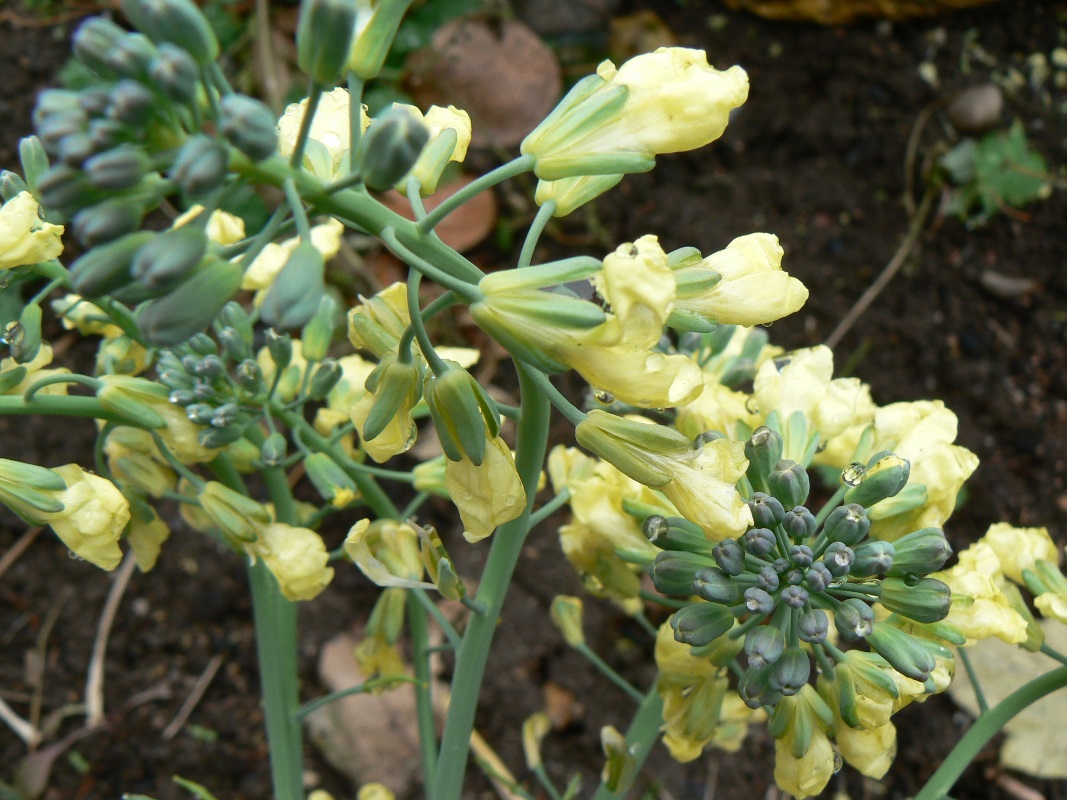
550,508
468,291
979,695
609,673
447,300
985,728
296,161
503,556
487,181
537,227
300,214
573,414
355,124
30,395
434,361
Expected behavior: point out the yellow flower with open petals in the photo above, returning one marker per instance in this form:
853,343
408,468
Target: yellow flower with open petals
222,227
979,607
326,155
1019,548
26,239
296,556
449,137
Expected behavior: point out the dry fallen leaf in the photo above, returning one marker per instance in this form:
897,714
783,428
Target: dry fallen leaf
1032,745
498,71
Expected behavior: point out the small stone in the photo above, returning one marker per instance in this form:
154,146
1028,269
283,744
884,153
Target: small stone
976,108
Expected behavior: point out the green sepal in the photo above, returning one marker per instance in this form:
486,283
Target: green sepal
393,384
11,378
34,161
682,319
27,343
904,652
324,38
542,276
106,268
192,307
294,297
701,623
179,22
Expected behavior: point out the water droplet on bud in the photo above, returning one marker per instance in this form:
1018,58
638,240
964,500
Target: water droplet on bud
853,474
607,398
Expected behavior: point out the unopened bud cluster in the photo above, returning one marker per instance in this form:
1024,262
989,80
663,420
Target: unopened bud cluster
790,576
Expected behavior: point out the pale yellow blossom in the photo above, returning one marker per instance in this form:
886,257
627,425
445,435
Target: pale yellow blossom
1019,548
93,518
296,556
487,495
25,238
449,137
222,227
146,537
327,153
979,607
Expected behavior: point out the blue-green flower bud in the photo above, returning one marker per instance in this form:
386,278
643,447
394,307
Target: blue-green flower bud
205,392
903,652
249,125
715,587
768,579
200,166
758,601
390,148
838,559
53,130
250,377
854,619
759,541
763,451
175,379
324,38
226,414
67,190
119,168
818,577
764,645
170,256
782,565
192,306
210,368
920,553
847,524
791,672
677,533
925,600
54,102
280,348
107,221
873,557
801,556
175,73
273,450
296,292
132,56
214,438
93,100
794,576
11,185
233,345
177,21
707,436
395,386
234,316
326,375
94,41
26,341
200,413
813,626
674,571
766,510
182,397
463,414
318,332
75,149
131,103
105,133
799,523
756,690
886,475
730,556
107,267
701,623
795,596
789,483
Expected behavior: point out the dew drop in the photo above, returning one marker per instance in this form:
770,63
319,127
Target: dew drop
853,474
74,556
751,406
607,398
821,446
510,500
838,762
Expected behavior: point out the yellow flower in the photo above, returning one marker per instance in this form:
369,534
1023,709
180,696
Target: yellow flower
134,459
803,756
88,319
25,238
296,556
1019,548
1053,605
869,750
979,607
571,193
753,289
146,538
35,371
487,495
619,119
222,227
374,791
93,518
450,136
716,408
387,552
326,155
260,275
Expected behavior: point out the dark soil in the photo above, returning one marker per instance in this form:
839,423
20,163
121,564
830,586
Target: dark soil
816,156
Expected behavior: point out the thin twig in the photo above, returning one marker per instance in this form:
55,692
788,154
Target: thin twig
23,729
18,548
911,150
194,697
891,269
94,683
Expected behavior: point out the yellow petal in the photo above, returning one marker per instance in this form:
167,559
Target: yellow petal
486,495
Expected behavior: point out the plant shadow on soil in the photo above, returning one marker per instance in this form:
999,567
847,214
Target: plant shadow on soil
815,156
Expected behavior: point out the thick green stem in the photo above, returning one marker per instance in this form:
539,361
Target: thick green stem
640,736
985,728
507,545
59,405
420,656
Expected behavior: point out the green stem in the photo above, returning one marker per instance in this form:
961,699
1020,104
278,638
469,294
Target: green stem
985,728
359,688
487,181
434,361
1053,653
416,503
447,300
438,617
550,508
296,161
979,695
503,556
537,227
355,124
300,214
831,504
609,672
573,414
419,632
45,291
30,394
640,736
468,291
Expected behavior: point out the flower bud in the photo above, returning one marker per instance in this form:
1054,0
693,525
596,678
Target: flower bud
175,73
375,28
75,149
296,292
873,557
715,587
906,655
326,376
763,451
94,41
677,533
788,482
280,349
250,377
249,125
324,38
234,317
838,559
813,626
26,344
886,475
237,516
768,579
920,553
799,523
200,166
177,21
847,525
463,414
105,133
332,483
756,690
791,672
730,556
11,185
133,398
225,415
925,600
55,128
673,572
701,623
131,103
65,189
390,148
394,384
566,613
214,438
764,645
272,451
758,601
191,307
635,448
107,221
817,577
318,332
795,596
170,256
766,510
759,541
854,619
29,490
106,268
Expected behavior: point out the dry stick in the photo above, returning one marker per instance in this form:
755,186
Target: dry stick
94,685
24,730
891,269
199,688
911,150
18,548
